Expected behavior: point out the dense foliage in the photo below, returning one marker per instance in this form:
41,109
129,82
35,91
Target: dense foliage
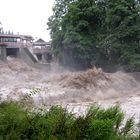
102,33
58,124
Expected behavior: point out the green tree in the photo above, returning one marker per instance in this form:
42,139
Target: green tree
91,32
55,24
121,44
74,27
84,22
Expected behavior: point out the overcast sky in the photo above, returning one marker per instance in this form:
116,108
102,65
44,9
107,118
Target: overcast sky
27,17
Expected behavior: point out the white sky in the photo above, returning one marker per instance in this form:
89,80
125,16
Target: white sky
28,17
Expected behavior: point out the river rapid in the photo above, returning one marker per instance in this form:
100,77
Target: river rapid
74,90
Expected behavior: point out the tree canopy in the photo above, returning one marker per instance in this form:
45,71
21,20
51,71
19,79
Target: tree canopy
96,32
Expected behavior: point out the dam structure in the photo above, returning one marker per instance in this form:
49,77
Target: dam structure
23,46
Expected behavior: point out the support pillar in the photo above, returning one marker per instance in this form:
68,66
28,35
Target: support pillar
44,58
3,53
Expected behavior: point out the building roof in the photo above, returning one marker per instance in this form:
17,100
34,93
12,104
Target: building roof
9,36
40,40
26,37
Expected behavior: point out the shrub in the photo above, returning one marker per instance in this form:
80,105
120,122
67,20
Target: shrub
58,124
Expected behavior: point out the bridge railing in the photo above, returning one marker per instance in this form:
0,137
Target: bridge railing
17,44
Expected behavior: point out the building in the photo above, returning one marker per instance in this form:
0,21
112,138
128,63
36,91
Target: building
22,46
11,44
42,50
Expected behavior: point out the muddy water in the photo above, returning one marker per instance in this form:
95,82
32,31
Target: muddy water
77,90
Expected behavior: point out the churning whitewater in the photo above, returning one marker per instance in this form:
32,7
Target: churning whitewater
74,90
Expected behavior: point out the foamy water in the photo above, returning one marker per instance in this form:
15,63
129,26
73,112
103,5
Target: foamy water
76,91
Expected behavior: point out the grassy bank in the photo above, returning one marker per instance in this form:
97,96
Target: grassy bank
58,124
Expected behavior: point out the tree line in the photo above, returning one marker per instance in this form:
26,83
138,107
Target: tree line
102,33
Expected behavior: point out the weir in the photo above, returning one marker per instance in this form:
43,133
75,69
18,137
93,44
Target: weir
23,47
10,44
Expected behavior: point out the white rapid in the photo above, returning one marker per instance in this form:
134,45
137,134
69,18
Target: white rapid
76,91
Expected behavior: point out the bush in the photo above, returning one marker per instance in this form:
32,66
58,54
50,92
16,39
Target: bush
58,124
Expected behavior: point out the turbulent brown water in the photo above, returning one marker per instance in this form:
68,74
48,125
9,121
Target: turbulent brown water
75,90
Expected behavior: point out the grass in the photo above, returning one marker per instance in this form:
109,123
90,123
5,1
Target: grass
58,124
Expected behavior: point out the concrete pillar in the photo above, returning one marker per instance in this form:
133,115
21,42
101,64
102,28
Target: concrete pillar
44,58
3,53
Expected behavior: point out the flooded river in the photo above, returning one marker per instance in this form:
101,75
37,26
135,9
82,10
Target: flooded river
74,90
